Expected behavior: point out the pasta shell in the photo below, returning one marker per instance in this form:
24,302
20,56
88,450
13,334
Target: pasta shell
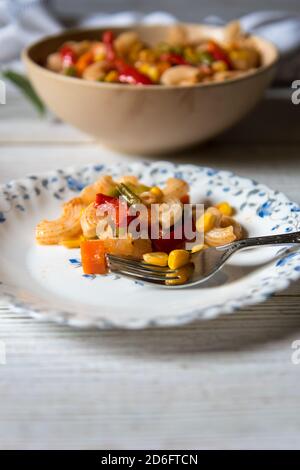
104,185
227,221
66,227
175,189
220,236
129,179
89,220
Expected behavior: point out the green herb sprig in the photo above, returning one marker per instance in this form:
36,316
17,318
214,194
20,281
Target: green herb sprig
24,85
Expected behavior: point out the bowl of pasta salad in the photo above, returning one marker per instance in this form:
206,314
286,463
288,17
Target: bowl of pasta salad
152,89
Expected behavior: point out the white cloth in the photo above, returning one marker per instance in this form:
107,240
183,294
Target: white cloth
23,21
283,29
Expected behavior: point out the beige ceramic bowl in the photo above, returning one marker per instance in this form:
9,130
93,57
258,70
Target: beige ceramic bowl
147,119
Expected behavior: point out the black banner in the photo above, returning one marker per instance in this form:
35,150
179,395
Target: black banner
150,458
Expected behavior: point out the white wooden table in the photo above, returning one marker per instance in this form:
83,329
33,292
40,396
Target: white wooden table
226,383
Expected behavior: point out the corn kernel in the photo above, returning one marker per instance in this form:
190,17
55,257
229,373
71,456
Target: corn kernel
200,247
99,57
75,243
146,55
219,66
111,76
239,54
98,50
150,70
206,222
157,192
178,258
158,258
183,274
225,208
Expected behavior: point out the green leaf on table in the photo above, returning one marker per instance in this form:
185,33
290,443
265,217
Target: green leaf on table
24,85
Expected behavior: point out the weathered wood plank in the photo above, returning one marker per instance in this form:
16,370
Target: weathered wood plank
224,383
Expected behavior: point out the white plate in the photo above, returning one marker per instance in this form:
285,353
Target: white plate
47,282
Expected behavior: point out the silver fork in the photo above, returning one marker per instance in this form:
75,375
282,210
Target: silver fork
206,262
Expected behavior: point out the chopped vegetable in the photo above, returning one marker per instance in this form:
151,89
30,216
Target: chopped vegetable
108,40
93,257
206,222
218,53
105,199
73,243
129,74
197,248
116,207
111,76
137,189
152,71
156,258
183,274
129,196
83,61
157,192
185,199
205,58
178,258
24,85
68,56
219,66
168,244
93,252
225,208
173,59
70,71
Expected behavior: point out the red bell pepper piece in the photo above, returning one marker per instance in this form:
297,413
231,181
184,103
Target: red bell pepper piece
68,56
174,59
166,245
218,53
185,199
133,77
108,40
129,74
103,199
116,206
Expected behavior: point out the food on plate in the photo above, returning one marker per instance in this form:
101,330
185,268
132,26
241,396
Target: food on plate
184,58
66,227
130,219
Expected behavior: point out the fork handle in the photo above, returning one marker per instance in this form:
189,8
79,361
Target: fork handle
282,239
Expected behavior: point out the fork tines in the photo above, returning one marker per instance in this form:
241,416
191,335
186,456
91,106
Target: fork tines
139,270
